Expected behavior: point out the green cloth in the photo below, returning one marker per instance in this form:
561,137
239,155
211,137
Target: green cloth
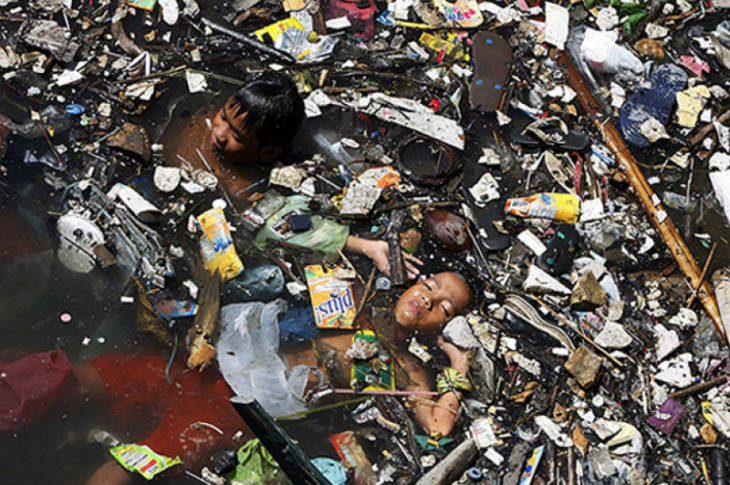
325,235
256,466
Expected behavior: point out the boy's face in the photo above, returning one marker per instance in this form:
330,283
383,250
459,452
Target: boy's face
233,140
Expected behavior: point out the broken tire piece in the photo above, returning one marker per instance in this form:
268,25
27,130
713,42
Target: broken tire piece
426,161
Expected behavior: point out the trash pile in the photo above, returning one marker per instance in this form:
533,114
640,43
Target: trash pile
495,251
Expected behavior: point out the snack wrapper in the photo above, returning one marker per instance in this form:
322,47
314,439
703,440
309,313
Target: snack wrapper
333,302
143,460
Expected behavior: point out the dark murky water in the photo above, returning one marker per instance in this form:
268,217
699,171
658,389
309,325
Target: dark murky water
35,290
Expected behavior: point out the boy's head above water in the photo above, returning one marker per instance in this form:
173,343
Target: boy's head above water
429,304
257,123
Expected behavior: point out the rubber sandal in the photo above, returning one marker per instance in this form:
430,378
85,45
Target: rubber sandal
562,242
492,57
657,101
551,133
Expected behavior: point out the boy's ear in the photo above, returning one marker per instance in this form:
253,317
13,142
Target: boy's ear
269,153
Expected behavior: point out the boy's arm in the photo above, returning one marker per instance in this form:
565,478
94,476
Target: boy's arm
435,415
110,473
378,251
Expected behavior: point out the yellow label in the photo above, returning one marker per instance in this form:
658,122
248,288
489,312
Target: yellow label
278,28
706,411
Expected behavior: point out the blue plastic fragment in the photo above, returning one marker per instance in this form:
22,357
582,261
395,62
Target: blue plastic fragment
75,110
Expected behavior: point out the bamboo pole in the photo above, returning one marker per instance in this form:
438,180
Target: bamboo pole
651,202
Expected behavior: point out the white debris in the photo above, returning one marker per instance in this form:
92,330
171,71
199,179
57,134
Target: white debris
492,455
613,336
533,242
419,350
170,11
413,115
605,429
167,179
676,372
539,281
656,31
489,158
667,341
653,130
607,18
684,319
459,332
485,190
196,82
557,23
68,77
553,431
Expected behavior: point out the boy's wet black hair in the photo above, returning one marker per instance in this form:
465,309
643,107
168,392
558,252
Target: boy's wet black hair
435,261
273,105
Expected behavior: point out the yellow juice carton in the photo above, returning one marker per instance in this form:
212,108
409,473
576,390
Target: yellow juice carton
557,207
216,245
333,302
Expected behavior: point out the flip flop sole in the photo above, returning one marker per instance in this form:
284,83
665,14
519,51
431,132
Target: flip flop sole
492,57
657,102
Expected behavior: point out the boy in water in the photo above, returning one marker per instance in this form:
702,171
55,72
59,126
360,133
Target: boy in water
254,127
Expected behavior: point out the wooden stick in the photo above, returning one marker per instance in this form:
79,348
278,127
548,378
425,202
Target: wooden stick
364,298
704,273
705,130
651,203
701,387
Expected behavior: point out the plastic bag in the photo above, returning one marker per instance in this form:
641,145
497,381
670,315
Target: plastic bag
603,54
29,385
247,354
256,466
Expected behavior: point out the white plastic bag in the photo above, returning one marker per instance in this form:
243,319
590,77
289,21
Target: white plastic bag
603,54
248,355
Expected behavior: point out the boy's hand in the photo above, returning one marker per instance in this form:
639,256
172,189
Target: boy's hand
458,357
378,251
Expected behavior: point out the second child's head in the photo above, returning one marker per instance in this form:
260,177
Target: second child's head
259,121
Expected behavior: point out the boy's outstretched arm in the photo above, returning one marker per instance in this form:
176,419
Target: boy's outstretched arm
110,473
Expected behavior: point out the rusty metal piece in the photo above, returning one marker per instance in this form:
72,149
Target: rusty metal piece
398,274
450,230
651,203
134,139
